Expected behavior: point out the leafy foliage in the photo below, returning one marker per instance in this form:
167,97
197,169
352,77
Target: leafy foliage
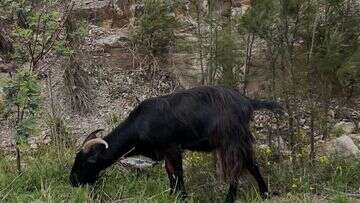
23,94
260,18
228,58
36,30
155,28
349,73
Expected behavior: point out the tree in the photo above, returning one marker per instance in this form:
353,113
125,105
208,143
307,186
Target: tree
37,30
22,99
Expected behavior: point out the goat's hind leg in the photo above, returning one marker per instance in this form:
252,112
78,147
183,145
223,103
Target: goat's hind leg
231,195
171,175
255,171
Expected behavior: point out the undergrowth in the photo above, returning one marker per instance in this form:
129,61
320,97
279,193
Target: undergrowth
45,179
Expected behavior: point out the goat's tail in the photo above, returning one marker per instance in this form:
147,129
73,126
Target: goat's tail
269,105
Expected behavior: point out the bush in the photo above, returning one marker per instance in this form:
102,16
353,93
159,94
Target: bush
228,59
154,31
22,98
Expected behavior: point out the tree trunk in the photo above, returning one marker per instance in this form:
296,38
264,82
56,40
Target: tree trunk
200,42
312,136
18,160
270,135
249,46
326,106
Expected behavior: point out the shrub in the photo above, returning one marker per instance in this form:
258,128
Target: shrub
22,98
59,132
154,31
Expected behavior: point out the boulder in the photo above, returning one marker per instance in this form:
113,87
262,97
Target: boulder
342,146
346,127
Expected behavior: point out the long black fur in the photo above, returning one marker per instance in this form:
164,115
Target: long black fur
200,119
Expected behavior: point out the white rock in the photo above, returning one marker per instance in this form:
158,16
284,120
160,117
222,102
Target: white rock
342,146
263,146
302,121
280,143
33,146
331,113
111,40
138,162
347,127
90,4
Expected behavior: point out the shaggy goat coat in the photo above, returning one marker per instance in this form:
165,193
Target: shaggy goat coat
201,119
198,119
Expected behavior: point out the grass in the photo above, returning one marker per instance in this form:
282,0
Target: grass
45,179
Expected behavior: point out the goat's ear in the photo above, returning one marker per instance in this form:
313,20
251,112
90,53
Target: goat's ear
92,135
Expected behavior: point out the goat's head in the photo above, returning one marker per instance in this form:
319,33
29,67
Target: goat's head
88,161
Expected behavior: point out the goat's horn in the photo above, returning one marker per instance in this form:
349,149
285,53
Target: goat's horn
96,132
92,142
92,136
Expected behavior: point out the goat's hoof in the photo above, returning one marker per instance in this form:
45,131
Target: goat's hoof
265,195
183,197
230,199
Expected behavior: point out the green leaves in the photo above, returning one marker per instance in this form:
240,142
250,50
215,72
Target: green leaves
62,49
349,73
35,28
227,57
155,30
23,33
326,28
260,18
22,94
26,128
23,91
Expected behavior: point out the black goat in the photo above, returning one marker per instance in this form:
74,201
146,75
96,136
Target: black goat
200,119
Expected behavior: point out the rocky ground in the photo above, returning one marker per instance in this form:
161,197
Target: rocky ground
121,79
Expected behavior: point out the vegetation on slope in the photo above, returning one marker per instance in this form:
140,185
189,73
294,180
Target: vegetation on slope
45,178
307,55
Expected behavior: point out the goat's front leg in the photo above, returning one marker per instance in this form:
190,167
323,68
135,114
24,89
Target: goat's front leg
174,169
